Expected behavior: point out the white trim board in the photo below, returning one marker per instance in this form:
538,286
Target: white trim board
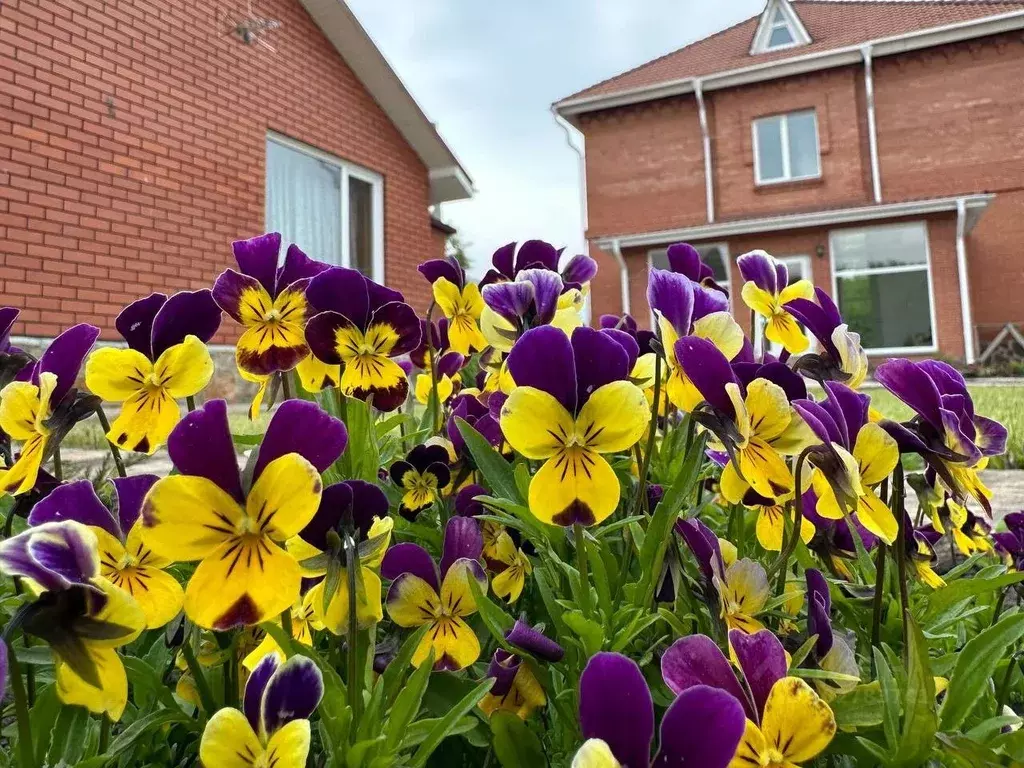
796,65
790,18
975,206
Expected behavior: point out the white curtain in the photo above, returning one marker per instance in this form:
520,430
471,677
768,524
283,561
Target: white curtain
304,202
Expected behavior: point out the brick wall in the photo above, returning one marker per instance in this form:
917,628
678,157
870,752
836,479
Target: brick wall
132,149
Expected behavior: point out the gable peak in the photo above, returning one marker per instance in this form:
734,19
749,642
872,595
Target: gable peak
779,28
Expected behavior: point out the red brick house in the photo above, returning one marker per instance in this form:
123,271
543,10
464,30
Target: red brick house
878,147
138,138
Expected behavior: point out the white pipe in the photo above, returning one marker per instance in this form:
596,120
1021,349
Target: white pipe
582,170
869,92
709,181
623,275
965,289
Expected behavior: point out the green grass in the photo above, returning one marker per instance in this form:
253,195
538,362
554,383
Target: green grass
1004,404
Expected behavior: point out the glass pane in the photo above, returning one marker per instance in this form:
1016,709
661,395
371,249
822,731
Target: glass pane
780,36
889,310
899,245
304,202
769,149
803,144
714,257
659,259
360,225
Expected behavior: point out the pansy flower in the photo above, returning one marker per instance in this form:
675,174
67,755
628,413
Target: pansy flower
422,594
269,302
509,582
515,687
701,727
360,509
787,722
482,412
459,301
755,425
13,360
40,410
771,519
529,301
124,560
831,650
954,440
166,360
205,513
767,291
304,623
80,614
421,476
743,591
841,357
273,728
686,260
920,549
1010,543
507,263
361,326
448,362
683,309
572,403
833,540
856,456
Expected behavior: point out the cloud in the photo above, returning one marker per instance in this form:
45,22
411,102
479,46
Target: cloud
487,74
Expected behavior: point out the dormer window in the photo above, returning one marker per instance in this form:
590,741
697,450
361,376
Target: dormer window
779,28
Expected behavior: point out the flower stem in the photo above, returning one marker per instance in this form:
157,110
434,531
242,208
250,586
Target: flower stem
190,402
286,385
202,685
58,465
782,564
25,743
876,610
355,683
286,621
898,489
118,462
652,428
581,566
104,733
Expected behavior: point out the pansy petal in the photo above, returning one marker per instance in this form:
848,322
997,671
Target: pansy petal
108,698
54,555
185,517
762,660
536,253
184,369
188,313
435,269
241,297
252,700
257,257
523,636
456,595
614,417
759,268
135,322
201,445
796,721
819,605
708,369
671,295
598,360
547,287
74,501
290,430
696,660
510,301
543,358
576,486
991,436
876,453
595,753
297,266
402,322
285,497
229,741
579,270
628,343
462,539
64,358
293,693
145,422
290,745
685,259
702,727
410,558
535,423
913,386
335,502
411,601
616,707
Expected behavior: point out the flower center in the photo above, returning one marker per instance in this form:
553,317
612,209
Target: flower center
273,316
152,381
772,758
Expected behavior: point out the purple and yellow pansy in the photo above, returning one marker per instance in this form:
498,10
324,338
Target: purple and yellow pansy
245,575
459,301
767,291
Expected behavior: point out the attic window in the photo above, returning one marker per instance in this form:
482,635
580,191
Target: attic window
780,28
780,35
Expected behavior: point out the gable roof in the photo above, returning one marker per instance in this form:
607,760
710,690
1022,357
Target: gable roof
448,179
833,25
775,13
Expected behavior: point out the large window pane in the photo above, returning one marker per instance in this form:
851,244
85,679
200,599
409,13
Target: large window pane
899,245
304,202
888,310
770,162
360,224
714,257
803,144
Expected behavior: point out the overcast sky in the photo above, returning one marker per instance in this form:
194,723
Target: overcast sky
487,73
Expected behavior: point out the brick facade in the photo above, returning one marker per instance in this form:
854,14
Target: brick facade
948,124
132,149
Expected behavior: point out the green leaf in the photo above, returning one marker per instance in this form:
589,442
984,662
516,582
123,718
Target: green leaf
496,620
941,599
70,736
588,630
515,745
890,698
447,723
860,708
394,675
976,663
919,719
136,730
417,733
496,471
407,704
146,679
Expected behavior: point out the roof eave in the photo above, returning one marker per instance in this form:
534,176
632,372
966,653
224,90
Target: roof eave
336,20
976,204
796,65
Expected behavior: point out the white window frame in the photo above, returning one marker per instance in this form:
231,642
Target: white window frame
927,266
808,274
347,170
779,14
727,263
784,139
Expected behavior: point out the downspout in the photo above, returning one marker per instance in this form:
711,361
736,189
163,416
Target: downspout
623,275
582,171
709,181
869,92
965,289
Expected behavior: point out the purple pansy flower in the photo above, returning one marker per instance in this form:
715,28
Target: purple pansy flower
422,475
842,357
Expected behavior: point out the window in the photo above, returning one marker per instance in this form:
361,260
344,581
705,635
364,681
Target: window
331,209
715,255
799,269
779,33
882,285
786,148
